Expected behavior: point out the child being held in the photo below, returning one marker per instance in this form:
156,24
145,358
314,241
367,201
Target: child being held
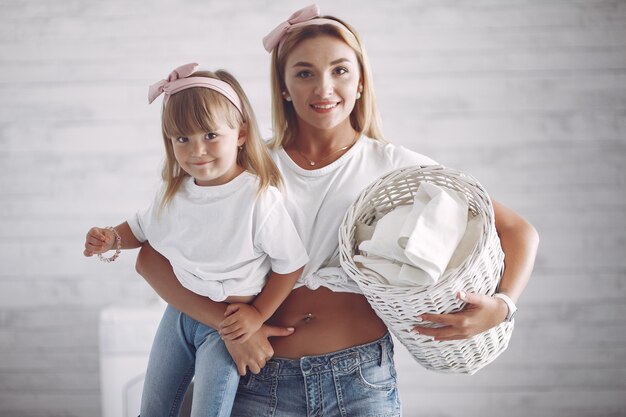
222,223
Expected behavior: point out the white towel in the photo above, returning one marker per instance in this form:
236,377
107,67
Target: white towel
423,236
384,241
468,242
440,216
394,273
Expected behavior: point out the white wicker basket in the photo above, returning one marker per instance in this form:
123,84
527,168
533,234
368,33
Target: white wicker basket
399,306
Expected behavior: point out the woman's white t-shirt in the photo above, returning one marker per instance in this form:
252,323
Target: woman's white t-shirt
318,199
223,240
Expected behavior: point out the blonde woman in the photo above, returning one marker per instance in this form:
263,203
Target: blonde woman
329,146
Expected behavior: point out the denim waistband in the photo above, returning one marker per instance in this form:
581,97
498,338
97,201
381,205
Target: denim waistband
344,360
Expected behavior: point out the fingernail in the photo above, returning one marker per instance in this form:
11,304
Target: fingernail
291,329
462,295
418,318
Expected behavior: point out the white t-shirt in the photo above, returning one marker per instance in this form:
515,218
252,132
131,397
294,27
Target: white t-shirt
318,199
222,240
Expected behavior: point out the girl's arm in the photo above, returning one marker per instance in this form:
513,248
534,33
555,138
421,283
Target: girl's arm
100,240
158,272
244,319
519,241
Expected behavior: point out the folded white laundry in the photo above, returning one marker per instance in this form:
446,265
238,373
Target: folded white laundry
363,232
394,273
413,244
384,241
468,242
440,223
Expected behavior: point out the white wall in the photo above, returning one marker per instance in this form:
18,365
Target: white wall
528,96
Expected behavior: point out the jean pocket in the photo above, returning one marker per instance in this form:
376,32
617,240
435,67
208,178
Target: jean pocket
376,377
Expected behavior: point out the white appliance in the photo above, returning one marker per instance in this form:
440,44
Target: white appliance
126,334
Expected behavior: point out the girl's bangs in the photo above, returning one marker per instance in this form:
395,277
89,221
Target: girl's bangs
198,110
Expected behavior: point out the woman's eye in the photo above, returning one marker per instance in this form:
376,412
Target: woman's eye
210,136
341,70
181,139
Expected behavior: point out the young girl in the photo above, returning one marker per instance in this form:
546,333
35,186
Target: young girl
222,224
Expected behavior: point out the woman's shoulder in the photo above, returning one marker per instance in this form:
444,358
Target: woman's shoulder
396,155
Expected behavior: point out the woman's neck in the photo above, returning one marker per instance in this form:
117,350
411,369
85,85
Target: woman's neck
317,143
315,148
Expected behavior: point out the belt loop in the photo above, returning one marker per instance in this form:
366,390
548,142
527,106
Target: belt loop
381,356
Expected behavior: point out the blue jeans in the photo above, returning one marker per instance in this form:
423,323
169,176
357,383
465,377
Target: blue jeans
181,349
354,382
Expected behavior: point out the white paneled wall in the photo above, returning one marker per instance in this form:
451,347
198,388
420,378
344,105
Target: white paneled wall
528,96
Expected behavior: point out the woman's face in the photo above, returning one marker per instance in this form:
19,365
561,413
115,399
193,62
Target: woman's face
322,78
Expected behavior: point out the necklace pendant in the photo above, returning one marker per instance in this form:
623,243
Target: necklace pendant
311,163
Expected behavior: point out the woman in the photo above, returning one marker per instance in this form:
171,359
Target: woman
337,358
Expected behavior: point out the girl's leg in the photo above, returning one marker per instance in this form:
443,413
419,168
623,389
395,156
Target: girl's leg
170,366
216,380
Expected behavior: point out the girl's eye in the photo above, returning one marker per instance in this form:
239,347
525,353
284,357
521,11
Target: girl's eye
181,139
210,136
303,74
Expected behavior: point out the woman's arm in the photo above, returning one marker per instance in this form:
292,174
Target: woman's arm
519,241
157,271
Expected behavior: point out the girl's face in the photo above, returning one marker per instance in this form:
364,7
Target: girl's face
210,157
322,78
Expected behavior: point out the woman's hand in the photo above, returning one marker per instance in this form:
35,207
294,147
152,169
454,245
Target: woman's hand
256,351
481,313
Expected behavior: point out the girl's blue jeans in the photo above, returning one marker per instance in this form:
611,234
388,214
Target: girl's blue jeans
181,349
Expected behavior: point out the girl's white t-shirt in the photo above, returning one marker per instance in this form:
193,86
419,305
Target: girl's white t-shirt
318,199
223,240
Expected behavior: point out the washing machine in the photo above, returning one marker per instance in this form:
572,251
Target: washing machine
126,334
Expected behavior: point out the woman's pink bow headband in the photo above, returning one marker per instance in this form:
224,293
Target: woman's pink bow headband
180,79
304,17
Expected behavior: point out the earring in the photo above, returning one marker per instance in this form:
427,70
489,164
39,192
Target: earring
240,147
286,97
360,90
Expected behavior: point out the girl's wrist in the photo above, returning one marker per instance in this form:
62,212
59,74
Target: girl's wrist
117,243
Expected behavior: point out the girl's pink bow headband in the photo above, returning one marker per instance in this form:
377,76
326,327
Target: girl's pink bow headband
180,79
304,17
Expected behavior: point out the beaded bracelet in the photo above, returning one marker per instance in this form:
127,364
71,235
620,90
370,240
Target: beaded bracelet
118,247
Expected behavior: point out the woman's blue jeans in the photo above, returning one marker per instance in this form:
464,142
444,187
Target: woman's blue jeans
181,349
355,382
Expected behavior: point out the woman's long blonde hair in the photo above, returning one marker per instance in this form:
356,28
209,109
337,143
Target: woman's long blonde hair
364,117
200,109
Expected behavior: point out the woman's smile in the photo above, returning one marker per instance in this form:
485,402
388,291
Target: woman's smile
324,107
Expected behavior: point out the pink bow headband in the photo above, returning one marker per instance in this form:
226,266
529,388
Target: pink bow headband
304,17
180,79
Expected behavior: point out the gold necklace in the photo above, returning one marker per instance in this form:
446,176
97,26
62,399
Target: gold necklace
313,163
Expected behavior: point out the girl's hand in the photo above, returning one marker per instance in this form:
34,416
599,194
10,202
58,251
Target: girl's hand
98,240
241,321
481,313
256,351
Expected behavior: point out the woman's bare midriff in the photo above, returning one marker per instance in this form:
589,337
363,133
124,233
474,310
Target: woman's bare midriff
324,322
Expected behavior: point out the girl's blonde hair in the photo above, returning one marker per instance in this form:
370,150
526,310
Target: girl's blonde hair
200,109
364,117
